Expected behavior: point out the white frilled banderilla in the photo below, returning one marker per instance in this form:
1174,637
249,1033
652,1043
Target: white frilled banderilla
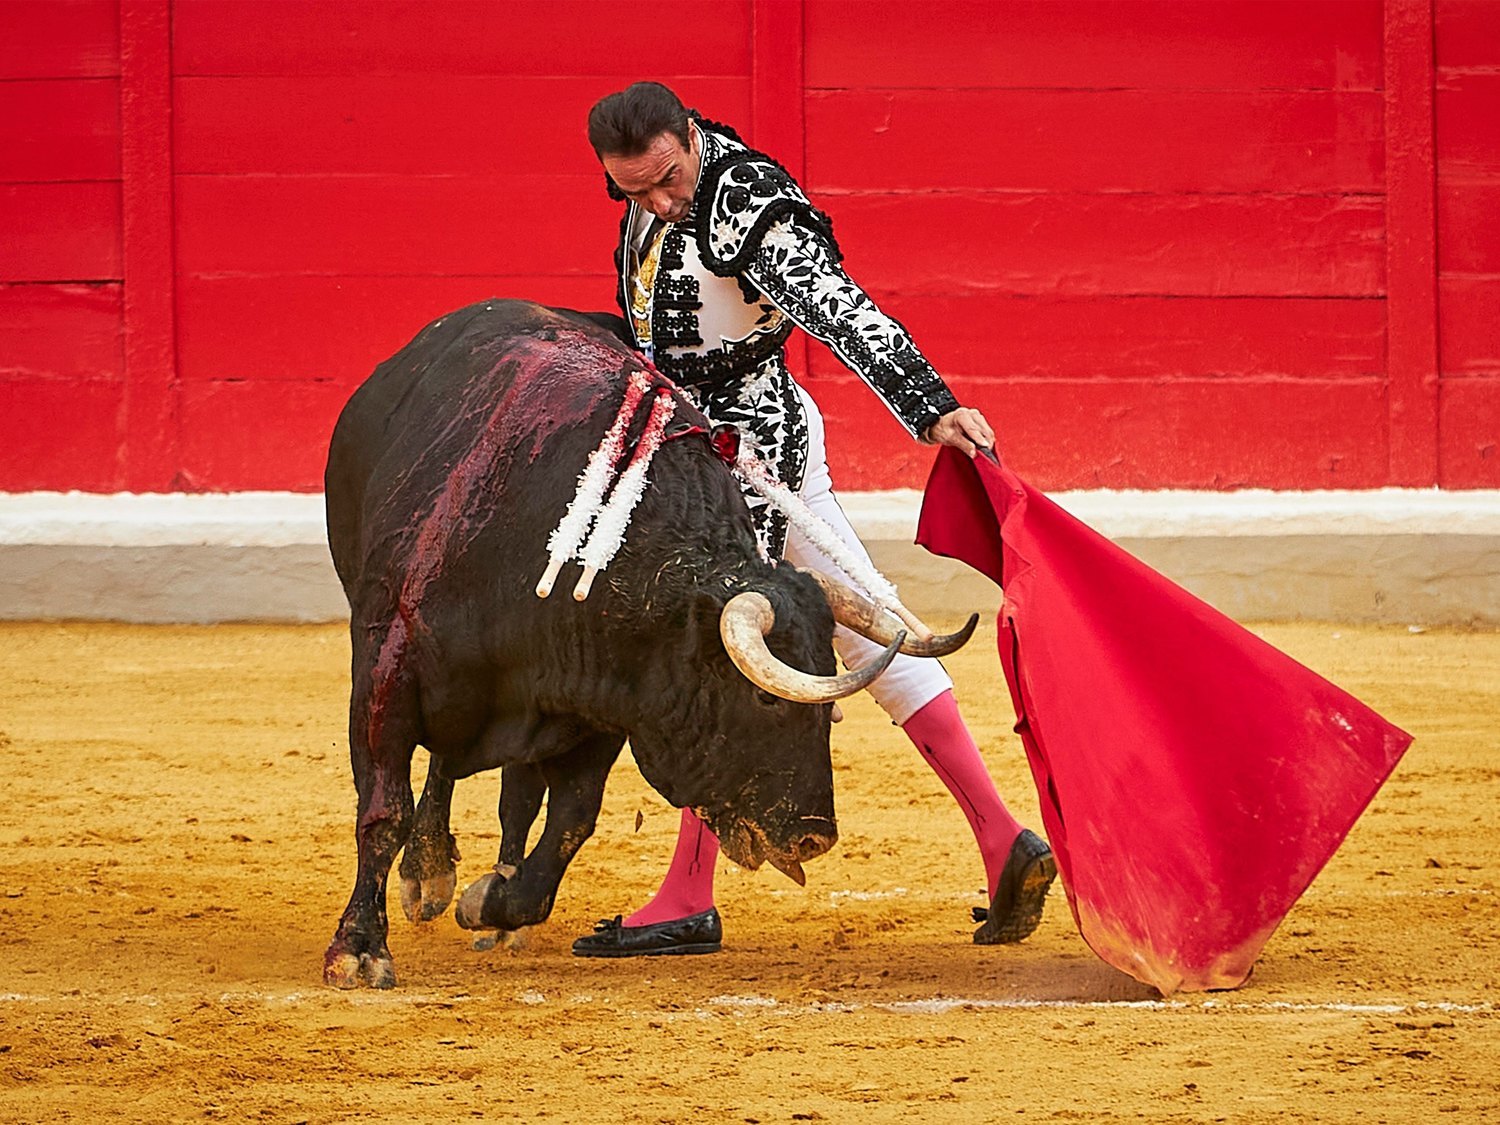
610,519
567,540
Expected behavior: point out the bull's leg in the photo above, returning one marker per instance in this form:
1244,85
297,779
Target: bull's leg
381,741
522,788
575,790
428,874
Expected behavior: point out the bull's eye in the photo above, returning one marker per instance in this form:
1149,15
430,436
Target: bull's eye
767,699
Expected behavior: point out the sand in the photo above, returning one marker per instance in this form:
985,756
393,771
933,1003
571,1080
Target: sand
178,844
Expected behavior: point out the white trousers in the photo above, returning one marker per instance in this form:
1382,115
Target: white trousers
911,682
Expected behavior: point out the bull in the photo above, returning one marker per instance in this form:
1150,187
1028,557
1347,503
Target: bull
447,470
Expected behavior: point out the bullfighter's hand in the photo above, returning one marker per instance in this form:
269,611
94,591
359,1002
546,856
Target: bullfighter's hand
965,429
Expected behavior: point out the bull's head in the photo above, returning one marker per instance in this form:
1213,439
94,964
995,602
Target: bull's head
745,623
733,683
764,781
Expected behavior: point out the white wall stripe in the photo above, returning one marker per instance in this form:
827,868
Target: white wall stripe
1395,556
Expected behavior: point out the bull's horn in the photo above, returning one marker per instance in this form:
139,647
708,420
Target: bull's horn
855,611
744,623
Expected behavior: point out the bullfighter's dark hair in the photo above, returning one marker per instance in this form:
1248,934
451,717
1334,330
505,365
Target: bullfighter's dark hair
625,124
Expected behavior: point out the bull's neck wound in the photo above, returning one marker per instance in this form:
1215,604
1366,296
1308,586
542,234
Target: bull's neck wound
532,389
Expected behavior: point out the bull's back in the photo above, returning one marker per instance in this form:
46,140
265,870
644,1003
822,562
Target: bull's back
462,431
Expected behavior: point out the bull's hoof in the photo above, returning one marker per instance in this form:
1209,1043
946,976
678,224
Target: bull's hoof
356,959
469,913
422,900
341,970
350,970
514,940
428,876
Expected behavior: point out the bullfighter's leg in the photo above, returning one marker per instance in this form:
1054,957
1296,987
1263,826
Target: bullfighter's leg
382,737
1019,866
428,873
688,888
575,790
918,696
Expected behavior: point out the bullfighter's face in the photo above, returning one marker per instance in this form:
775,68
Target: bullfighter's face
663,178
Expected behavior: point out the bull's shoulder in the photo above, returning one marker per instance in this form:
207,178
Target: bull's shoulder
613,324
464,395
451,349
498,319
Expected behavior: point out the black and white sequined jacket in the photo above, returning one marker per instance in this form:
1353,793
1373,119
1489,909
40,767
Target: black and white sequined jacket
712,300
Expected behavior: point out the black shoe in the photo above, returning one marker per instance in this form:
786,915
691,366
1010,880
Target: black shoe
1016,909
697,933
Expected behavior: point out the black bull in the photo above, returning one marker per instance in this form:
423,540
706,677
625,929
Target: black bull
447,472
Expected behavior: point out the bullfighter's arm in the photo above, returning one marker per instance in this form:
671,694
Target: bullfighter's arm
800,274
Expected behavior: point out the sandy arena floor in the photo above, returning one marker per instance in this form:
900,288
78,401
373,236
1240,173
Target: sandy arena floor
179,843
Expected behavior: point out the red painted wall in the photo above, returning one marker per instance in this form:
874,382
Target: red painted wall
1164,243
1468,260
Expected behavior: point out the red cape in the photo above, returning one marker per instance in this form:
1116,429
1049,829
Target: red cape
1193,779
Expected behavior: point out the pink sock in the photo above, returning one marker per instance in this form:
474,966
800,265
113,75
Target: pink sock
938,731
689,885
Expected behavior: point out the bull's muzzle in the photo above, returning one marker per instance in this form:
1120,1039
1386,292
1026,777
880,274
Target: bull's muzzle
747,844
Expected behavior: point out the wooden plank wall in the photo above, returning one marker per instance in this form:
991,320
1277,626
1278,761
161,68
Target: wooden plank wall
1218,243
62,361
1147,238
1468,261
346,172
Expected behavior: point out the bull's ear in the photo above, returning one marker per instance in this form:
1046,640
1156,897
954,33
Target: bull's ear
709,599
706,608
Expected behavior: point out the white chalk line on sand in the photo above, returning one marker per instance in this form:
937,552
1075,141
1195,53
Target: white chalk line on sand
835,898
740,1005
1430,892
937,1005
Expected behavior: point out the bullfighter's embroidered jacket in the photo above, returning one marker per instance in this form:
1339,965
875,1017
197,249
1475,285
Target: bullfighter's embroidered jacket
712,300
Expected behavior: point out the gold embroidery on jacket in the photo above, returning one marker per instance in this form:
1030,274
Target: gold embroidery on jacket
641,287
